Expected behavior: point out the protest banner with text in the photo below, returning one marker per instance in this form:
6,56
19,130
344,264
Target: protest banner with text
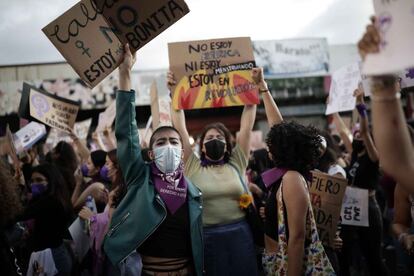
213,73
395,21
327,194
47,108
355,207
341,94
293,57
90,35
27,136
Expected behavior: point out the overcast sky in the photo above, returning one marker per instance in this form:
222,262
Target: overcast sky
340,21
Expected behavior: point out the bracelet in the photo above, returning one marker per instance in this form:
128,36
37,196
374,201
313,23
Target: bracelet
362,110
263,91
390,98
401,237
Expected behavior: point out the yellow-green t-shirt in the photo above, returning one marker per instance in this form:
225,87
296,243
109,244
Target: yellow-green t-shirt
220,186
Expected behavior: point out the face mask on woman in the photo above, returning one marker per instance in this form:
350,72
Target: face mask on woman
215,149
104,173
167,158
358,146
37,189
85,170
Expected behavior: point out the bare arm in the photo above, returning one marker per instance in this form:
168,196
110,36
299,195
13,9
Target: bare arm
272,111
178,120
402,215
365,134
343,131
246,126
296,200
391,135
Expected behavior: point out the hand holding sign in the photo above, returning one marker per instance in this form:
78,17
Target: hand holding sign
128,59
369,43
359,94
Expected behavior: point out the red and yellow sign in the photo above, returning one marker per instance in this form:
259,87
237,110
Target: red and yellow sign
213,73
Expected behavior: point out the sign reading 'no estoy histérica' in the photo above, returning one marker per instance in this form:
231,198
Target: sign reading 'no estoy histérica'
90,35
213,73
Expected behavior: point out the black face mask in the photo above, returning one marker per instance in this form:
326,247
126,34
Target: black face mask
215,149
358,146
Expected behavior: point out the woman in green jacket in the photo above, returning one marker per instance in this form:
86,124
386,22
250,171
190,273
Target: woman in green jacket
160,216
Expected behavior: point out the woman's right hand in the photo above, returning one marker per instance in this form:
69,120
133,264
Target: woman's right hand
128,61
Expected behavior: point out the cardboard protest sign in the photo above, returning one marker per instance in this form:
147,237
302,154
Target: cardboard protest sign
27,136
47,108
326,194
344,82
395,21
90,35
292,57
213,73
106,118
355,207
105,141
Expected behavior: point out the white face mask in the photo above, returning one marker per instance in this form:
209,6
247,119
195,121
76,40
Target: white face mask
167,158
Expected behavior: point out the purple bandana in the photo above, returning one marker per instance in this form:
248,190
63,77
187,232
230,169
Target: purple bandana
171,187
205,162
271,176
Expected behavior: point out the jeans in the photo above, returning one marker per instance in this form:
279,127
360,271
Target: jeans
229,250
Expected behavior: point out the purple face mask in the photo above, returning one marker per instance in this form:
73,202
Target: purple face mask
104,174
38,189
85,170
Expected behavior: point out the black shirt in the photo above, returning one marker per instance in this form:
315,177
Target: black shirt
172,239
363,173
50,222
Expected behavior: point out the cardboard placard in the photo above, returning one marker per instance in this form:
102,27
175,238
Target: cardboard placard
47,108
105,141
327,194
213,73
27,136
106,118
355,207
292,57
344,82
90,35
395,24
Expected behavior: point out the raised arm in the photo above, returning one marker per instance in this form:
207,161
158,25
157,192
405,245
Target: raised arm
363,118
391,135
272,111
178,120
246,126
126,131
343,131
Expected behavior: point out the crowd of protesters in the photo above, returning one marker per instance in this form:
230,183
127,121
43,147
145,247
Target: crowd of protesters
224,209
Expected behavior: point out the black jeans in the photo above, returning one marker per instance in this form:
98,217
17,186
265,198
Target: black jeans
367,240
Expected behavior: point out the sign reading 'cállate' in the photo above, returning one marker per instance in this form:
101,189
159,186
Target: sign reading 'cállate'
90,35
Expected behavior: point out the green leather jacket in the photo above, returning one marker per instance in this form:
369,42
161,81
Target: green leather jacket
142,210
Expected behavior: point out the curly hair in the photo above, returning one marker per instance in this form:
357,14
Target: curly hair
224,131
11,205
294,146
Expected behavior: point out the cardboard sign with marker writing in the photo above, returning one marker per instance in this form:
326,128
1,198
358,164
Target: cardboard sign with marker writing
327,193
90,35
27,136
47,108
106,118
213,73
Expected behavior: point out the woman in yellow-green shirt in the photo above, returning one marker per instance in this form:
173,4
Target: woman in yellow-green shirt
228,241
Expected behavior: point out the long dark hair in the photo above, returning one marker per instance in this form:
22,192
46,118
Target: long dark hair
119,180
56,184
224,131
64,156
